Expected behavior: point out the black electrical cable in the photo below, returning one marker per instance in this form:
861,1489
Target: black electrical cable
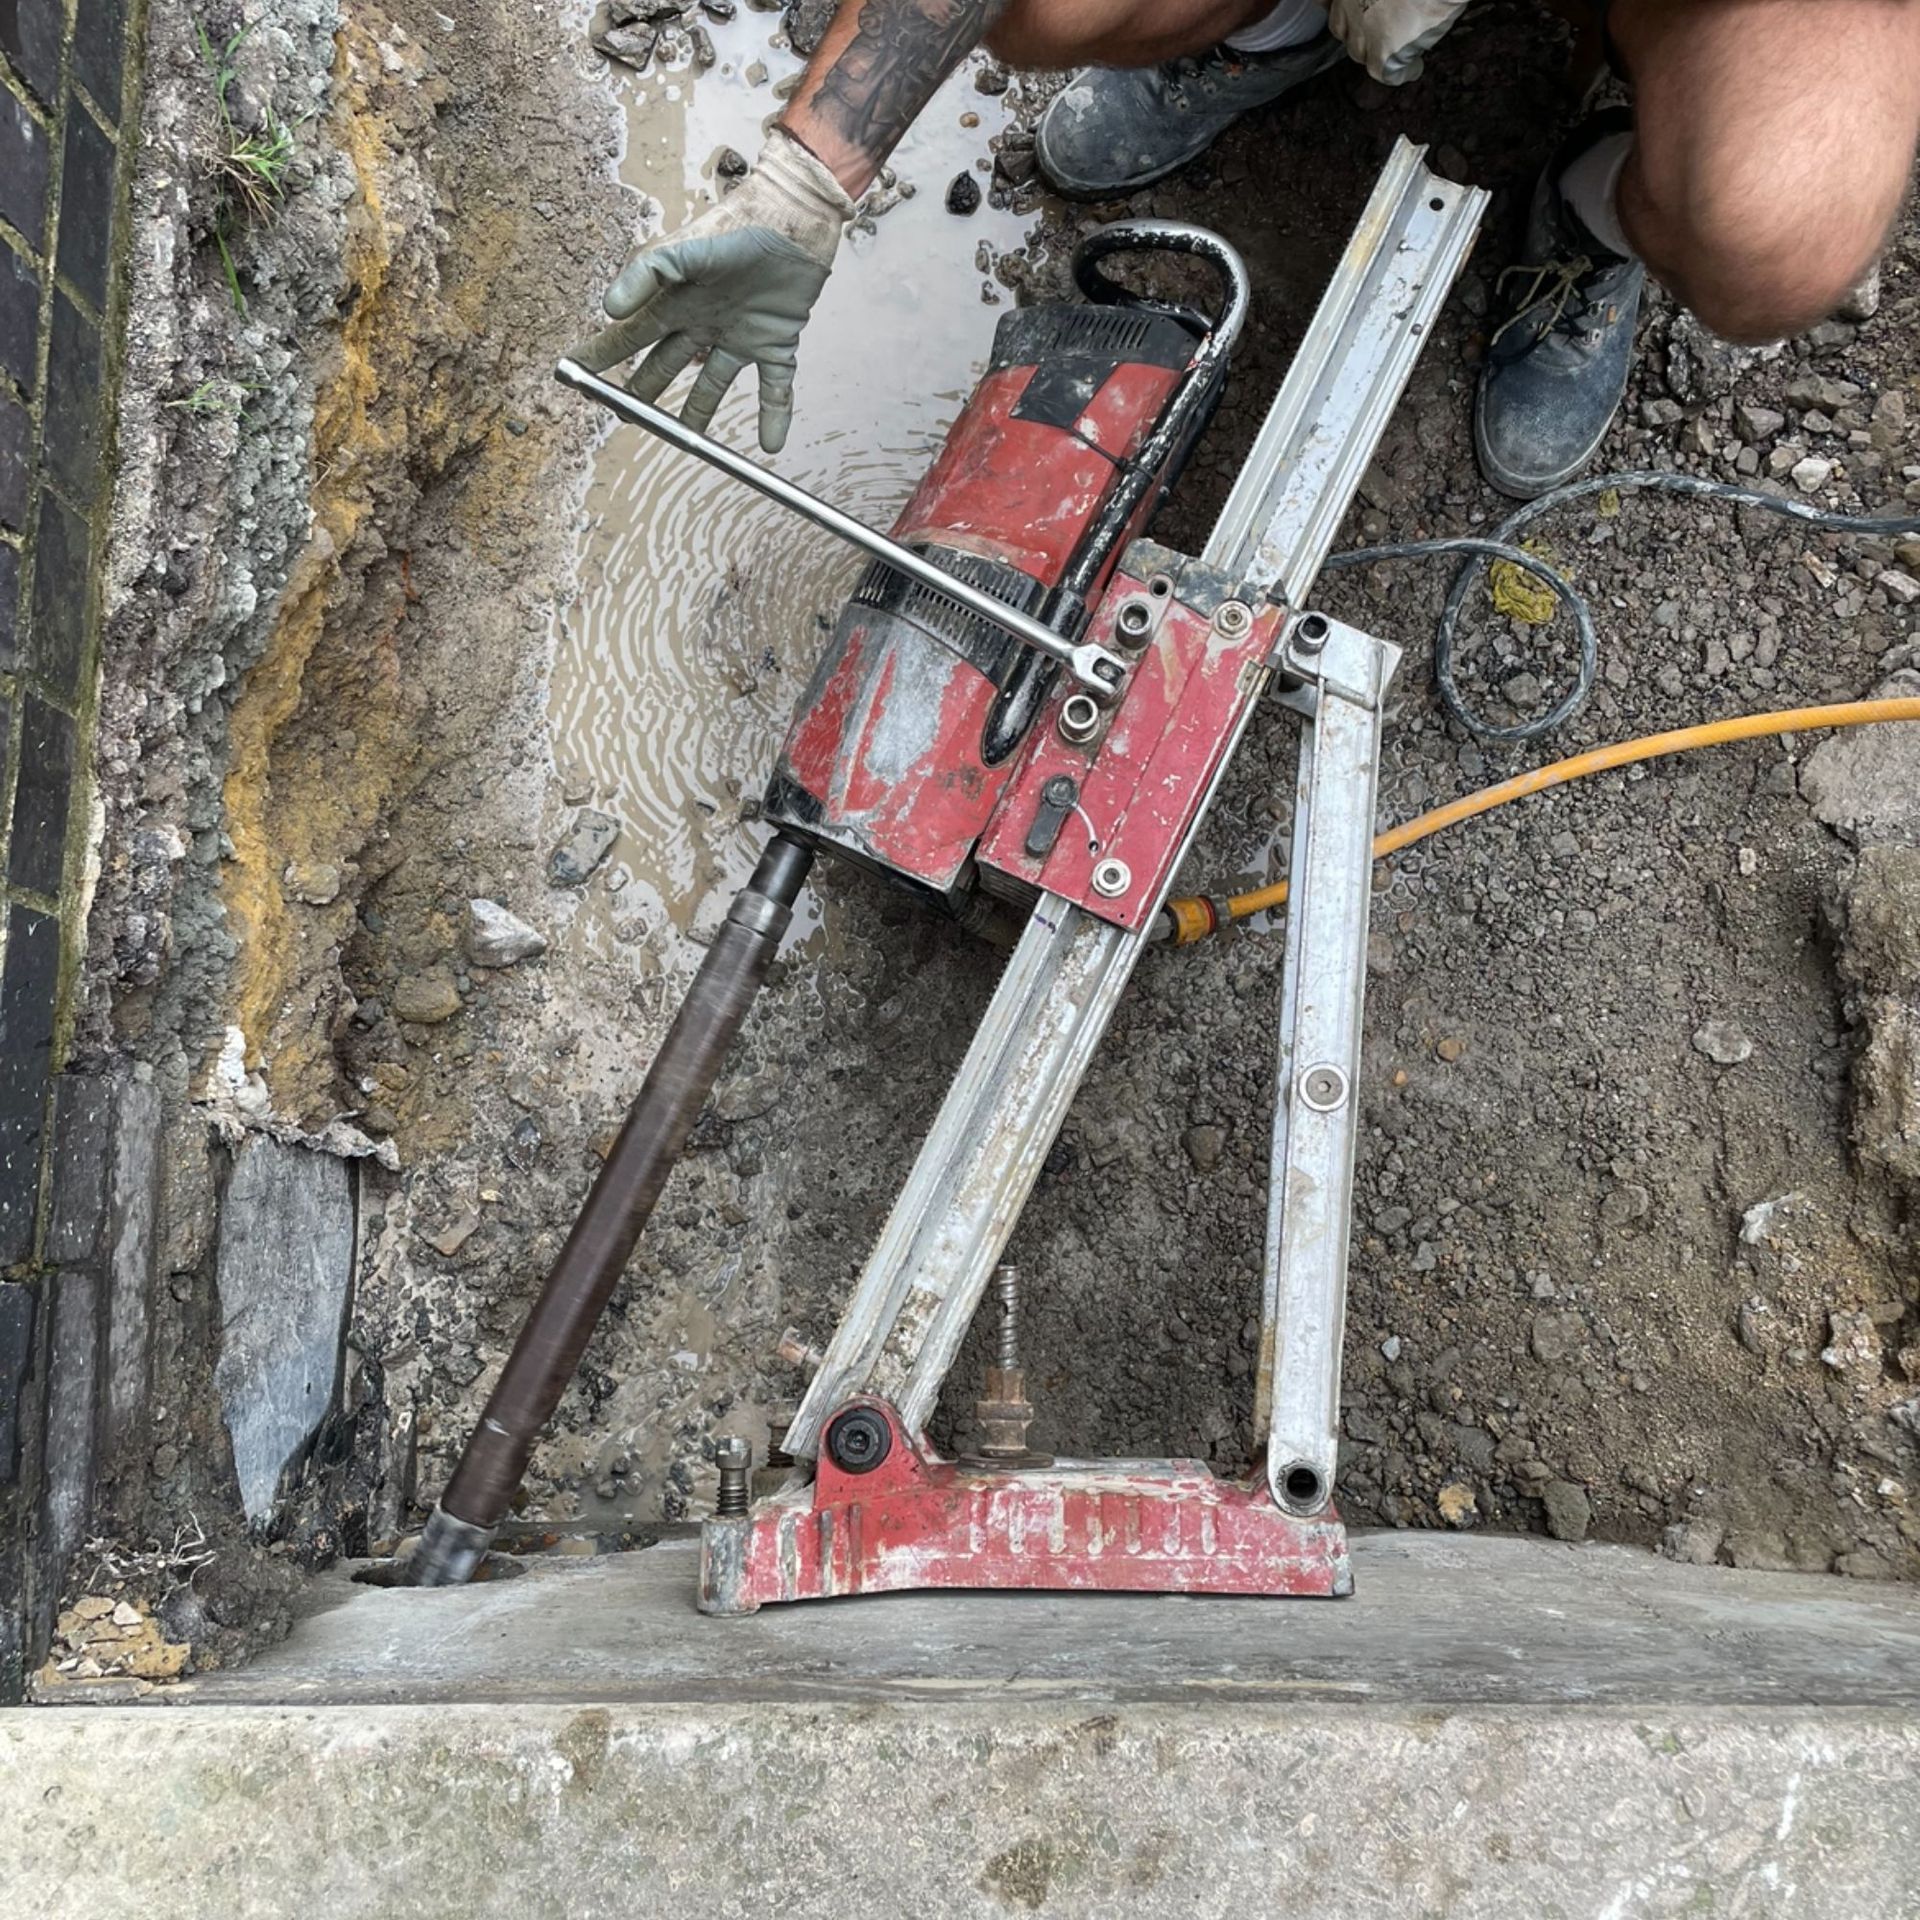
1501,544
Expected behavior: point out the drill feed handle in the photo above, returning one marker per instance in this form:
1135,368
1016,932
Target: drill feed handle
1099,673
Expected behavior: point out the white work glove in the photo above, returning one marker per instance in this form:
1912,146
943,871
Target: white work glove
1388,37
736,283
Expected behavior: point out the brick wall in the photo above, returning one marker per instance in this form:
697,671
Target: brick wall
68,86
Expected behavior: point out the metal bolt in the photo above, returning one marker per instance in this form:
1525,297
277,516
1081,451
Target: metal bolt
1323,1088
1112,878
1006,1284
1134,622
1079,719
1060,791
1232,618
1310,632
736,1462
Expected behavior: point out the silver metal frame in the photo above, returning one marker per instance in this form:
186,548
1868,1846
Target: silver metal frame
1347,377
1323,985
924,1279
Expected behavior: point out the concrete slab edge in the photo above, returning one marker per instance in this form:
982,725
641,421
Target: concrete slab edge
959,1809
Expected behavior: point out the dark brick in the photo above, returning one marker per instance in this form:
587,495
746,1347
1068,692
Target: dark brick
28,982
56,640
23,168
15,437
99,50
83,1116
30,32
19,317
9,607
43,796
70,430
16,1366
86,205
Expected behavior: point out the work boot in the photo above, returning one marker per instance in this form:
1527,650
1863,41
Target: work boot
1116,128
1556,368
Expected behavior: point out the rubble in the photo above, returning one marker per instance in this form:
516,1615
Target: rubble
574,861
497,938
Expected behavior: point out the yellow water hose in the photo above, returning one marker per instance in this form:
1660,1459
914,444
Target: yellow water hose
1194,919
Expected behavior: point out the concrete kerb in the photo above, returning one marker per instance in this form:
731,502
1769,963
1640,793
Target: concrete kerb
959,1809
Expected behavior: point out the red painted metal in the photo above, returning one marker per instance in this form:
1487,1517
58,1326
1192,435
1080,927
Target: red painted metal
1023,491
884,761
1141,781
916,1520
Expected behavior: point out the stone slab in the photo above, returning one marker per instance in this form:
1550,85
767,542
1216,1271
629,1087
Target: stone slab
1435,1620
1491,1727
959,1808
285,1274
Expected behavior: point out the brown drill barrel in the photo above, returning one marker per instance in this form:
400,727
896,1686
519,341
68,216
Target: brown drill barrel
556,1332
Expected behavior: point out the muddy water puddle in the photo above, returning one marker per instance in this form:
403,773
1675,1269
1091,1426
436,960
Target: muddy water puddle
701,606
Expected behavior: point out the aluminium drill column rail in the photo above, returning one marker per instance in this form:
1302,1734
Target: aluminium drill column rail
924,1279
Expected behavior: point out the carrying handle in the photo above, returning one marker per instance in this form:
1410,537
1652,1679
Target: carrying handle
1167,236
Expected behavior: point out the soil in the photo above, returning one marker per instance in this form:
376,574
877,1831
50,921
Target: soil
1603,1282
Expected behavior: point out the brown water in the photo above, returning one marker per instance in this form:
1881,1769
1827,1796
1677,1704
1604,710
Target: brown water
699,613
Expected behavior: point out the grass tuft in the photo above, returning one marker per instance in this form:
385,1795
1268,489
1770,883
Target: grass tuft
250,165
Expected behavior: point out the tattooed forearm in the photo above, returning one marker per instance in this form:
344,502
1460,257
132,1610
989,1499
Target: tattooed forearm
865,87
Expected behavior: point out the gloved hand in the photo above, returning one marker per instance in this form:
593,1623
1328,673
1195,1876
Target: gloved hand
736,283
1388,37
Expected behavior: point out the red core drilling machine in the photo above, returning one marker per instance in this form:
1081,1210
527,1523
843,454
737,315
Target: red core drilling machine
1028,704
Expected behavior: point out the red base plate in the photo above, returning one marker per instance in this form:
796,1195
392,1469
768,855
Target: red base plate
1113,1526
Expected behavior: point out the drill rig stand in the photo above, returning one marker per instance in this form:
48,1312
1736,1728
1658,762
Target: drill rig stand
1028,704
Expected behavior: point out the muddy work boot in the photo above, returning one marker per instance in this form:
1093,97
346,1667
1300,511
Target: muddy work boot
1113,129
1556,368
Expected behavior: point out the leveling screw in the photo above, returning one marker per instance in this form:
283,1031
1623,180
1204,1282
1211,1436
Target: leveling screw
736,1462
1006,1284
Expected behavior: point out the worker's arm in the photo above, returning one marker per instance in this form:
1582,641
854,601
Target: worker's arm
877,66
736,284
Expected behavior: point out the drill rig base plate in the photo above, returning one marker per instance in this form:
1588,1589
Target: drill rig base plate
914,1520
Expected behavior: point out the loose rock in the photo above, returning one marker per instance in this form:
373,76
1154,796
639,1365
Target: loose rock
1626,1204
1723,1043
1204,1147
497,938
1694,1543
1569,1511
316,883
1555,1336
1853,1348
631,46
426,998
807,23
574,860
963,194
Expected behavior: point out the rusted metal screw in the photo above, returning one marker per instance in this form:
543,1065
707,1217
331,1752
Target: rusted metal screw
1006,1283
736,1462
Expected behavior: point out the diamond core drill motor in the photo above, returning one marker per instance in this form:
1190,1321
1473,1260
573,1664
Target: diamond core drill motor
1027,705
